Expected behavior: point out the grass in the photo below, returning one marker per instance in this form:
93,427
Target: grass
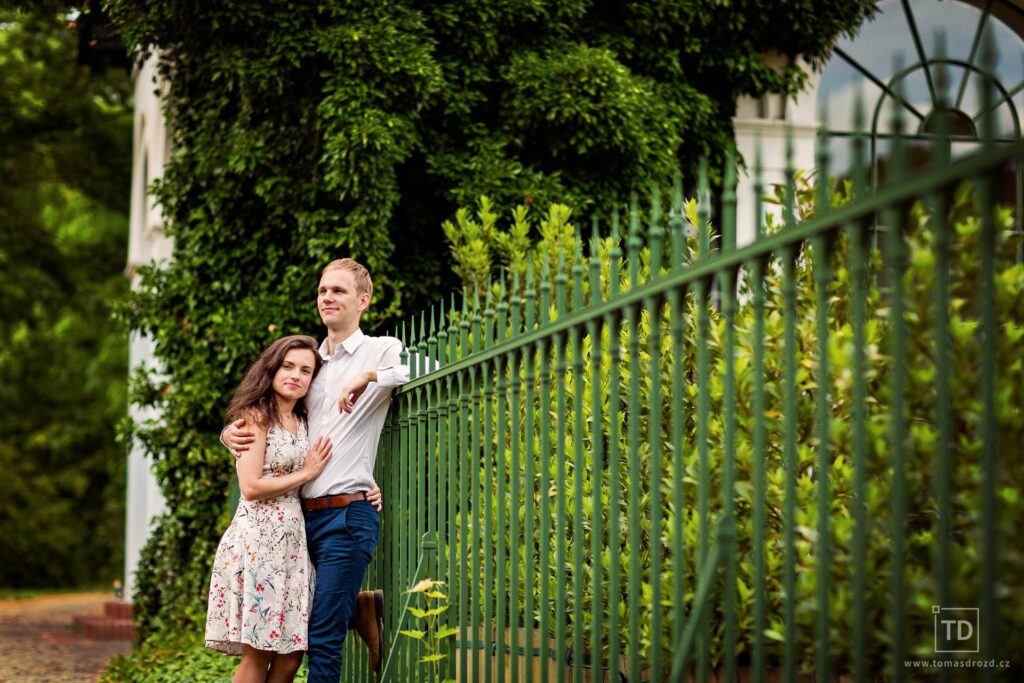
29,593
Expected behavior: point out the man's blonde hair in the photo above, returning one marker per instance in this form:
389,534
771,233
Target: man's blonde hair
364,285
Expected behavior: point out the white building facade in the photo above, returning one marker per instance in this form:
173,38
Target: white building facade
147,243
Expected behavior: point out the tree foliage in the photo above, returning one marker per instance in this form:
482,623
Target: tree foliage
65,149
304,131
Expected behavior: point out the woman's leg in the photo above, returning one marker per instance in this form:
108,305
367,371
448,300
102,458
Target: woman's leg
253,667
284,666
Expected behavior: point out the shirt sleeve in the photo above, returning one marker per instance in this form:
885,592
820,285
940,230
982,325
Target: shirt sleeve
391,373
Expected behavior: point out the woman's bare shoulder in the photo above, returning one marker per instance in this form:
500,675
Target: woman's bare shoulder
256,419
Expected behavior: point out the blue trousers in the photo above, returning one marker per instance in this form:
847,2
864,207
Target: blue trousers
341,543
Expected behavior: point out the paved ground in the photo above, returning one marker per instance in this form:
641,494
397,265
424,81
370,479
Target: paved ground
40,647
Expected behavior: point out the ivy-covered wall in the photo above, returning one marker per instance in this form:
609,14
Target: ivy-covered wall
305,131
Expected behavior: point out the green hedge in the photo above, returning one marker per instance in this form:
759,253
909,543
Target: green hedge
481,246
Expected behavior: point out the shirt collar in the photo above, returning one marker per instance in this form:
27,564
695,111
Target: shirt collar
351,344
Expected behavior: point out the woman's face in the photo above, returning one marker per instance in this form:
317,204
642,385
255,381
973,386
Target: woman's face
296,372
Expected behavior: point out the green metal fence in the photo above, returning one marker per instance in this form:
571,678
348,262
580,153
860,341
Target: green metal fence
672,457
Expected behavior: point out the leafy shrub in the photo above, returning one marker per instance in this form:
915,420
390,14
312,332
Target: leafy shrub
550,244
169,657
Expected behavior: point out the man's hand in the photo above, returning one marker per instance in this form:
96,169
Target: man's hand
351,393
374,497
237,437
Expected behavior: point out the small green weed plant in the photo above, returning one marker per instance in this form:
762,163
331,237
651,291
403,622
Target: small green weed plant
433,634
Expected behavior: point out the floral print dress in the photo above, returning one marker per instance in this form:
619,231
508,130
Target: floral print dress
262,582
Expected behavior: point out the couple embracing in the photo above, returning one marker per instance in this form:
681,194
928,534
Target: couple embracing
305,424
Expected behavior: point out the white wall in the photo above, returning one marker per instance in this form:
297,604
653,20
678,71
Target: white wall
764,122
147,242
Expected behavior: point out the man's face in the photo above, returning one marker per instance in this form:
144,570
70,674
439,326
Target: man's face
338,301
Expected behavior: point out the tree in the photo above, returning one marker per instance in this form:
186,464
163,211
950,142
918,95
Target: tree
65,151
305,131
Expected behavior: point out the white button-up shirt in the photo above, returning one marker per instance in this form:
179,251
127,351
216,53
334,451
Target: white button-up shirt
356,435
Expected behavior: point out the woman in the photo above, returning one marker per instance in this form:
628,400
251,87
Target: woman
260,590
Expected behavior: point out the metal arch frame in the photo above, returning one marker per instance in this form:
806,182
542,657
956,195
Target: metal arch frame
968,67
985,13
899,76
1006,94
925,63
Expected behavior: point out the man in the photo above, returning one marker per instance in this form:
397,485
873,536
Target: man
347,402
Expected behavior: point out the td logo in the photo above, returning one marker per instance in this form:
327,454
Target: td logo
956,629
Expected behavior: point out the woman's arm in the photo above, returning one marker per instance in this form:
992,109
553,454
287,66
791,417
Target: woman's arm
249,465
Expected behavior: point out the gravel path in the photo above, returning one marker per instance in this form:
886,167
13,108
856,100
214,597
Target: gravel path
40,647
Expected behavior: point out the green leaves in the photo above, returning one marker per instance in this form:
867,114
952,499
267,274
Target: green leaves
418,635
556,246
585,102
430,639
176,656
430,659
424,586
446,632
423,614
65,149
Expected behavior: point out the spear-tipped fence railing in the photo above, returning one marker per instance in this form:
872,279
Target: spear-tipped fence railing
672,458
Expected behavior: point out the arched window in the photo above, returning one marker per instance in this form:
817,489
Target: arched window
895,62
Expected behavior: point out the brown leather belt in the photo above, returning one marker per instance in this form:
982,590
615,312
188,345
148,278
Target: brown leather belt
339,500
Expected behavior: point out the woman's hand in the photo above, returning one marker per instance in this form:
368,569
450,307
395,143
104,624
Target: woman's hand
317,458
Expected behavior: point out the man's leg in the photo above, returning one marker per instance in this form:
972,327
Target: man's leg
341,544
368,622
